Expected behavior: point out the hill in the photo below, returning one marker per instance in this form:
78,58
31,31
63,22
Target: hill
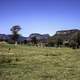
68,38
22,39
65,35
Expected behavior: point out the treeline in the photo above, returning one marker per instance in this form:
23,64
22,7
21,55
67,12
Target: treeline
65,38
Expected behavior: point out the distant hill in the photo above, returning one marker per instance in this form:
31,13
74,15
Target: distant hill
4,37
8,38
65,34
60,36
40,37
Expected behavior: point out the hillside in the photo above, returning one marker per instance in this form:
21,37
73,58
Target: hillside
22,39
32,63
65,34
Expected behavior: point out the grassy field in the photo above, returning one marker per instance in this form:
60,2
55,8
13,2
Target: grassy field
32,63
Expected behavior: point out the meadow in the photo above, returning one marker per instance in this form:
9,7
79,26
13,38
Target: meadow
24,62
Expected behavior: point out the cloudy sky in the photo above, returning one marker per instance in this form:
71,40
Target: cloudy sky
39,16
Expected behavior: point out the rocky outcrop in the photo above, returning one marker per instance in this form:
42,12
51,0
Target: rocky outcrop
65,34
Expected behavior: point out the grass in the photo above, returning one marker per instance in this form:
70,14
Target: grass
32,63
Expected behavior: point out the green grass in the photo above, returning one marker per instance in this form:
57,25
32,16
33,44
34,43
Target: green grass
32,63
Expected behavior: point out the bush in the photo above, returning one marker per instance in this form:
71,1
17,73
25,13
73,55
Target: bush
73,44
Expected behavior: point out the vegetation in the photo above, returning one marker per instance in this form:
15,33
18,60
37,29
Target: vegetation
33,63
67,38
64,38
15,29
34,40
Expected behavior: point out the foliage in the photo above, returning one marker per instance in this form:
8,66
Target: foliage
73,44
51,42
66,43
66,40
34,40
15,29
75,40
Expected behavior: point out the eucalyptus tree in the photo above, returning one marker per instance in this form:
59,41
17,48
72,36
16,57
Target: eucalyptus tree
15,29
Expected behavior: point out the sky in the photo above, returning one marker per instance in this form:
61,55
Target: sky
39,16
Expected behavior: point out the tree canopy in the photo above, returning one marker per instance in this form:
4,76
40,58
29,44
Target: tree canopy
15,29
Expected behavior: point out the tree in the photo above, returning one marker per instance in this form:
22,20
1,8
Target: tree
51,42
73,44
34,40
15,29
76,38
59,42
66,43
